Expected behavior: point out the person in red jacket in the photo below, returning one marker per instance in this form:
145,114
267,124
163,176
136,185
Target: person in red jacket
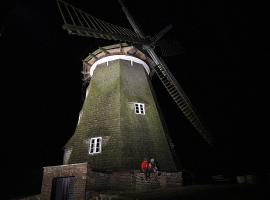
145,168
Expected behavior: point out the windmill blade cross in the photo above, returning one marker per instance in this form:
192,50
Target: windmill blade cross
78,22
170,47
182,101
178,95
170,83
160,34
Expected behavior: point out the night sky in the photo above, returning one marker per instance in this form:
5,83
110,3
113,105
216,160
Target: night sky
41,86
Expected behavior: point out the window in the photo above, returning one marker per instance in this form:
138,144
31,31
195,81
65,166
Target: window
95,145
139,108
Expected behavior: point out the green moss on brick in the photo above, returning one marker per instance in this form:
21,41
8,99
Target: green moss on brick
108,112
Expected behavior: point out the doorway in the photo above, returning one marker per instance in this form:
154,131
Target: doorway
63,188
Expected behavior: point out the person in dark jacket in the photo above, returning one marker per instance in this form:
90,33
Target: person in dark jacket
153,166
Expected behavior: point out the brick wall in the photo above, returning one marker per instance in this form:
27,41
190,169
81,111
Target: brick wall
133,180
100,118
108,112
143,135
156,181
89,182
79,171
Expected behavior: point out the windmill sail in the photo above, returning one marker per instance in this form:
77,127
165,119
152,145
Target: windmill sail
80,23
178,94
170,83
181,99
170,47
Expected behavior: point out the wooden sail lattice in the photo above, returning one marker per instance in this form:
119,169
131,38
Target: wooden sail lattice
170,47
78,22
181,99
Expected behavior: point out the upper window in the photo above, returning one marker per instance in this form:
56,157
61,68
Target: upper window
95,145
139,108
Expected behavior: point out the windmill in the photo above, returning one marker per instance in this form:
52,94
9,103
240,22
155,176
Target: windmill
120,122
78,22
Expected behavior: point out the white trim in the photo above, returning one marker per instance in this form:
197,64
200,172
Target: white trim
67,154
94,146
140,109
86,94
57,166
80,116
117,57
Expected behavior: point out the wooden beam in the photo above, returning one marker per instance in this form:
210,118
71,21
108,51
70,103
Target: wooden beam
104,50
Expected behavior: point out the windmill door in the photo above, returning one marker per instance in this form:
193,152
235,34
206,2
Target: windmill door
63,188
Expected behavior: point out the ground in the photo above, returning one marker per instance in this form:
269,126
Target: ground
218,192
194,192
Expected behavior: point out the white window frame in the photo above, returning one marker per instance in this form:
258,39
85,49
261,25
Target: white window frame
80,116
139,108
95,145
86,94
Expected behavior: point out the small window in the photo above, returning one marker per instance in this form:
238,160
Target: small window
95,145
139,108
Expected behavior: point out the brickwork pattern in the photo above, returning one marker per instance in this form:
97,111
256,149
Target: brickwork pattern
144,133
108,112
133,180
79,171
101,117
89,183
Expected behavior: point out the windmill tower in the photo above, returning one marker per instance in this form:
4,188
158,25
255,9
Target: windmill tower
120,122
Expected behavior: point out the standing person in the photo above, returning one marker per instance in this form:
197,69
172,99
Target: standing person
145,168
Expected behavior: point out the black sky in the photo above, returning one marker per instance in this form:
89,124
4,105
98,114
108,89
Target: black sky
220,71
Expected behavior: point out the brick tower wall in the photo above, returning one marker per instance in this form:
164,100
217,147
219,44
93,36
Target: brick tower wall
108,112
